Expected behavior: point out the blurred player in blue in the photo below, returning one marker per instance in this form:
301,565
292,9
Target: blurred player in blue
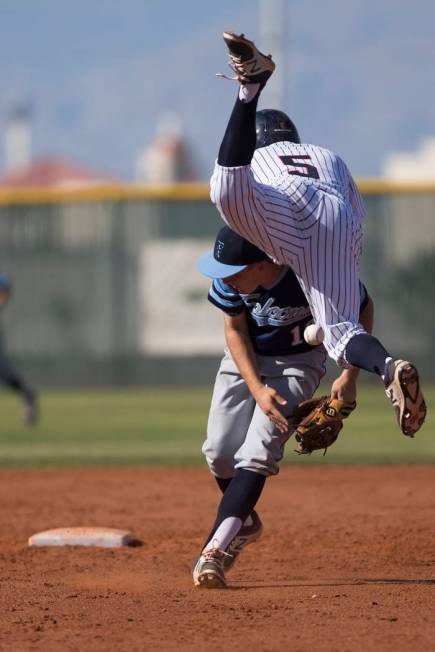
8,375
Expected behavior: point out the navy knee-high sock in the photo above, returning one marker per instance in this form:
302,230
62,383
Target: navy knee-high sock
240,497
238,144
12,379
366,352
223,483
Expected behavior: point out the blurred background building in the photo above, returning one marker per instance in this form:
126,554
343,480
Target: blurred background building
168,158
23,171
413,230
412,166
18,135
53,172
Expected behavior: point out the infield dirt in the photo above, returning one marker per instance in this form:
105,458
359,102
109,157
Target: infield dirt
346,562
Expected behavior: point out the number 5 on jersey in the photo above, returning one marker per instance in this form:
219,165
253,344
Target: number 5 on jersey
299,166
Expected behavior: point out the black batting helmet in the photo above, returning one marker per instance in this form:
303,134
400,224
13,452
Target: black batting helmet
274,126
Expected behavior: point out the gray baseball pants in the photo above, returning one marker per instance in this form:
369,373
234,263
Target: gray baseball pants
239,434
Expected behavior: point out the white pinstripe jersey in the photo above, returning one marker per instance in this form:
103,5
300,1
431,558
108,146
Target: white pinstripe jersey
300,204
273,165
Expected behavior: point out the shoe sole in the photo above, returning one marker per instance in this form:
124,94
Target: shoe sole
409,405
231,38
209,580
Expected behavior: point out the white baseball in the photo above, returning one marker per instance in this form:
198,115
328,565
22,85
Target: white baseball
313,334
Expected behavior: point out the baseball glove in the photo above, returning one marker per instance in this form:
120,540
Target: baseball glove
321,419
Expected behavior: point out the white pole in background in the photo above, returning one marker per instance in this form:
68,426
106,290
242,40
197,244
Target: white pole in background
18,136
271,41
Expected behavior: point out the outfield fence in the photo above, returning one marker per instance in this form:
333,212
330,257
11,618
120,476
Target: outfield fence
106,290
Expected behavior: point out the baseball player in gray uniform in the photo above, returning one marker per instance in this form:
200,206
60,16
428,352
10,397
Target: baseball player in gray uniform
299,204
267,370
8,374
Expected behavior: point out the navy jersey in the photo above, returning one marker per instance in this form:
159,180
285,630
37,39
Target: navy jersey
277,315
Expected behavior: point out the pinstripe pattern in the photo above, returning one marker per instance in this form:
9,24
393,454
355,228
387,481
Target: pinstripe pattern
311,224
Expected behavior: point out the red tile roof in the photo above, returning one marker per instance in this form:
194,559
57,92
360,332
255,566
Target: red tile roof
54,171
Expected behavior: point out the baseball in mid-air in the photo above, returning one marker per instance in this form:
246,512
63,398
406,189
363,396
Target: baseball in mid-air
313,334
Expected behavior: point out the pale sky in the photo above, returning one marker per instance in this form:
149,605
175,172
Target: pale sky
360,78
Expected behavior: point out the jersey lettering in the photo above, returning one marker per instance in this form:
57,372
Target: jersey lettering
270,313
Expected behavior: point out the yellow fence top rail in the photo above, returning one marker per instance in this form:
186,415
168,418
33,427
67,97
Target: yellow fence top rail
175,192
104,192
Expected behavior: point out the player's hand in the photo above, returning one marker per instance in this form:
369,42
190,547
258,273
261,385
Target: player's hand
344,387
267,400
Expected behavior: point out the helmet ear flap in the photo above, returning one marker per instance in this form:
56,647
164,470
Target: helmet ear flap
260,130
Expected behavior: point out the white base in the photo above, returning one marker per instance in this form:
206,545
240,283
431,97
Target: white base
104,537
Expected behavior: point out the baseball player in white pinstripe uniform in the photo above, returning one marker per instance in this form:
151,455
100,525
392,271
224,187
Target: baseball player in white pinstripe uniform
299,204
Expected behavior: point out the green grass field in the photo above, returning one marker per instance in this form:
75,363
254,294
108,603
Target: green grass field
167,426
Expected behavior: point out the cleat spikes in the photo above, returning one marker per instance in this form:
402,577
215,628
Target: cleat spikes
406,397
